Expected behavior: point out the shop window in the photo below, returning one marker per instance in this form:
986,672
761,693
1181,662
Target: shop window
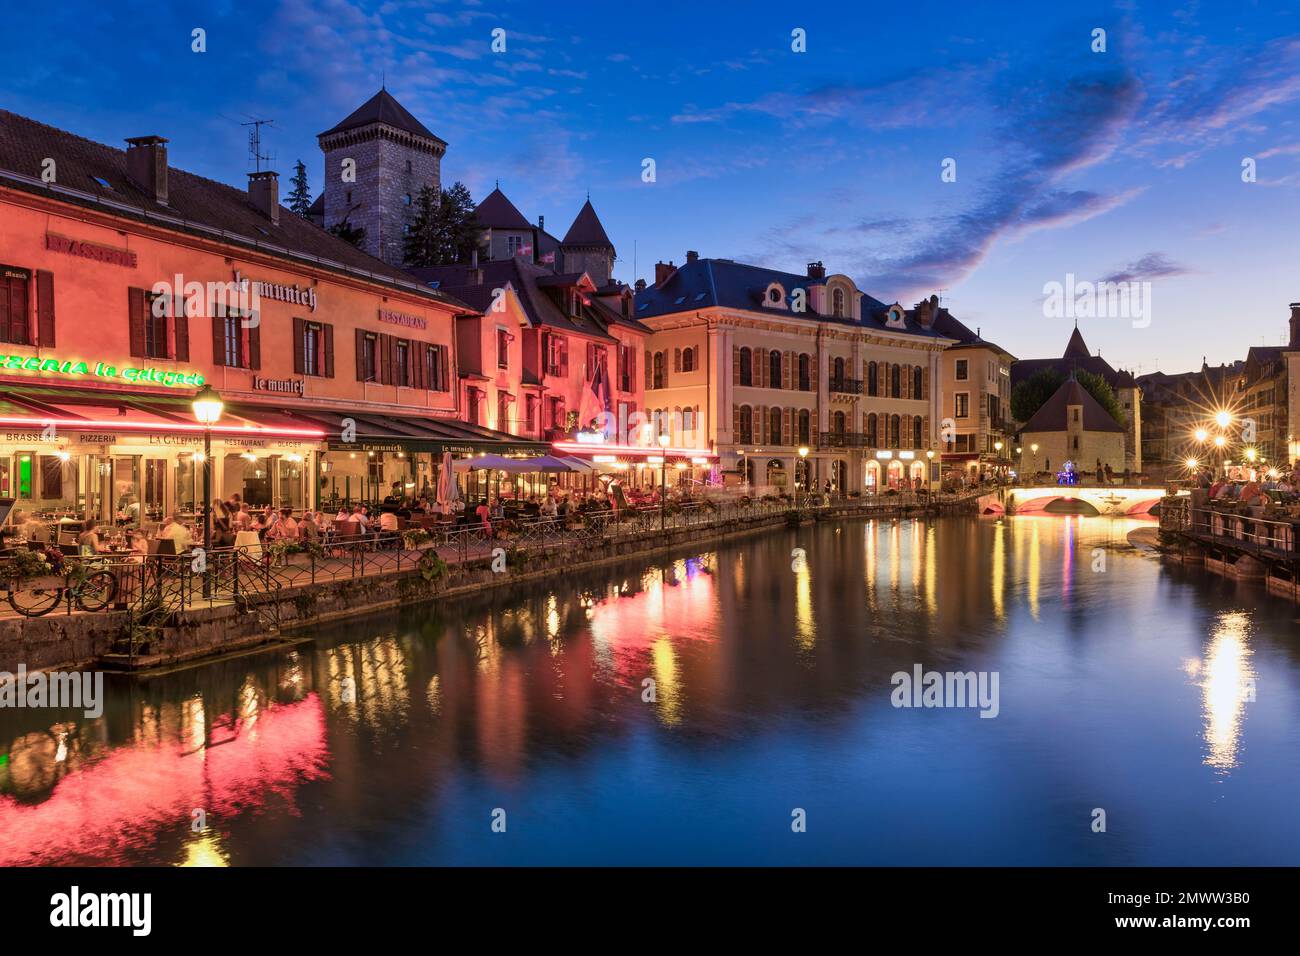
51,477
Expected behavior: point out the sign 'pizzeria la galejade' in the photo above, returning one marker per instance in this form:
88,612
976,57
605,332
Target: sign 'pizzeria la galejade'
62,368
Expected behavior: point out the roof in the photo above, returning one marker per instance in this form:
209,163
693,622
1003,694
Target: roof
586,229
195,205
530,282
498,212
1076,358
1054,416
705,283
383,108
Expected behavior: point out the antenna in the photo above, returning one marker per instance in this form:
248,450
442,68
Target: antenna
255,154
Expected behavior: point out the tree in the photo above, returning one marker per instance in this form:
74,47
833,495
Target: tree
445,230
347,232
1031,394
300,194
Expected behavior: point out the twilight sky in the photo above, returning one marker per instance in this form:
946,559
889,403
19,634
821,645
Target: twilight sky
1125,164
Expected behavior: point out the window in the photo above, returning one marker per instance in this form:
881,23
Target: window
503,412
917,383
805,372
746,367
349,198
232,342
659,370
774,431
774,369
312,363
872,379
961,405
895,381
1075,412
15,326
688,360
435,368
530,413
627,367
155,328
503,348
871,431
557,355
962,371
402,368
472,396
368,357
408,166
893,431
837,303
805,427
916,432
514,245
406,200
838,423
746,425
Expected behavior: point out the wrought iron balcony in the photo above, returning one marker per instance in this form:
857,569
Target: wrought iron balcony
846,386
842,440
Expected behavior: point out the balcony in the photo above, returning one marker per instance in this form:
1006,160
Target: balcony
842,440
846,386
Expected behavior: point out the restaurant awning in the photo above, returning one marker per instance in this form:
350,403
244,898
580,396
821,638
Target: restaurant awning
520,466
370,431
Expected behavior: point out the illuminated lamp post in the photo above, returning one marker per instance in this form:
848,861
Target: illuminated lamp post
664,441
207,407
997,447
1034,448
929,470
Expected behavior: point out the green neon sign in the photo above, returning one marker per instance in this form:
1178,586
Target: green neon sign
127,373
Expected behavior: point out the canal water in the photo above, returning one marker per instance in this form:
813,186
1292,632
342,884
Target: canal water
517,729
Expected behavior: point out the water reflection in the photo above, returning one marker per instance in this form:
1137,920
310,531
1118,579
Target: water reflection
368,744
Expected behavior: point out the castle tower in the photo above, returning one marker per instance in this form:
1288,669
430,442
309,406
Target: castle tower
395,156
586,247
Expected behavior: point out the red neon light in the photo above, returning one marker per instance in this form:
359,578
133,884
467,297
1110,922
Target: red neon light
587,448
161,427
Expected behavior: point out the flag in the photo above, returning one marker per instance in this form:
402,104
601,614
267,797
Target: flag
595,400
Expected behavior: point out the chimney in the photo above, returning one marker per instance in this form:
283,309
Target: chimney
816,270
1295,325
663,272
640,285
927,310
264,194
541,223
692,255
146,165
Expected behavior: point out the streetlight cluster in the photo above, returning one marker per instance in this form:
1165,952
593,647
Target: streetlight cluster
1214,438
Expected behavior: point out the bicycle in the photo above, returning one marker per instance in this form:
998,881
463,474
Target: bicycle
93,590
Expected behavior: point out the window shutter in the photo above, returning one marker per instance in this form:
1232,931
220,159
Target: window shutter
44,309
564,356
787,370
590,370
812,372
180,331
361,356
385,346
925,383
649,365
735,422
255,347
218,340
786,425
299,334
328,336
135,306
418,353
620,365
677,360
735,365
631,370
446,377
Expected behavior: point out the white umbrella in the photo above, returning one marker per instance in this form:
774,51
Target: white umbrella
448,490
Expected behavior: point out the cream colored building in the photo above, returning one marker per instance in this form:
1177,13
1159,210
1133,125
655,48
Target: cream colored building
1072,426
754,364
976,432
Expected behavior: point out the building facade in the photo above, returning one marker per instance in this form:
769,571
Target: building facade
977,430
132,284
1072,427
756,364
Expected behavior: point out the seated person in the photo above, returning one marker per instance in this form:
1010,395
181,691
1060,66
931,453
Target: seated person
175,531
88,542
388,521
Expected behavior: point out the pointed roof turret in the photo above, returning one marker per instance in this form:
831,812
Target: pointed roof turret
587,229
383,108
498,212
1075,348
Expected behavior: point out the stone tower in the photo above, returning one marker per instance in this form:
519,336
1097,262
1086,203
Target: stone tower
395,157
586,247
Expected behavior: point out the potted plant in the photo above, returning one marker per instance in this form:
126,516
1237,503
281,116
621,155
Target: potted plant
413,538
26,565
279,552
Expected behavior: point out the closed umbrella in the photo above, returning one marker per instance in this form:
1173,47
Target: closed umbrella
448,490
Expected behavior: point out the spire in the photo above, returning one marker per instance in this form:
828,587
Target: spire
587,229
1076,348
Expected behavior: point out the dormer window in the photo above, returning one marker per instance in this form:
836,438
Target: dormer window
774,296
895,319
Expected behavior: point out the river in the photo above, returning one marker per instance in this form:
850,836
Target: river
516,728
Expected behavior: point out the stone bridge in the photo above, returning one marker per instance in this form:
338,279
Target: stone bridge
1078,499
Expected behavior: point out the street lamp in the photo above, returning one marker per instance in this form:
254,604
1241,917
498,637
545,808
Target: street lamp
1034,448
803,458
207,407
664,441
929,470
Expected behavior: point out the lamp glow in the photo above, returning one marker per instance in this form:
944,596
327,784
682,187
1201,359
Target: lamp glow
207,406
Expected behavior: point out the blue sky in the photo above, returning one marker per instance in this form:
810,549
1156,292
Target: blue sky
1125,163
